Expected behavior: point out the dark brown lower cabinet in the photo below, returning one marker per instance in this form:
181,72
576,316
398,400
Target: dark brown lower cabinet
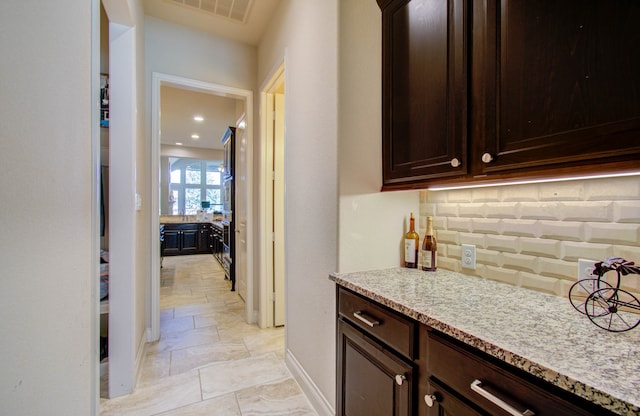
439,401
390,365
373,380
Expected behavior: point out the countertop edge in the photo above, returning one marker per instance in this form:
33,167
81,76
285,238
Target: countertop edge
551,376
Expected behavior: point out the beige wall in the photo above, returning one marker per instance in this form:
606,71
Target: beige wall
47,301
305,35
372,224
533,235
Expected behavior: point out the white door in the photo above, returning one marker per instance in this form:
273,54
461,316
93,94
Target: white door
278,210
240,214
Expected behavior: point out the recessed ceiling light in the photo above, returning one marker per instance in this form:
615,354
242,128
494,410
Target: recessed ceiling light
195,136
198,118
178,144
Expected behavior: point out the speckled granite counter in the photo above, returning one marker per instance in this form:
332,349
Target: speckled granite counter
538,333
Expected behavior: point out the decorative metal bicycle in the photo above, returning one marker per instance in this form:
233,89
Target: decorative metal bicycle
603,301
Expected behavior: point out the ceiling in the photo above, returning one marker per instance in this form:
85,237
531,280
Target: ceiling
206,15
179,106
241,20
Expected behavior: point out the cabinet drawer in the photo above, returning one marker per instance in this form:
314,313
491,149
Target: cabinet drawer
385,325
459,368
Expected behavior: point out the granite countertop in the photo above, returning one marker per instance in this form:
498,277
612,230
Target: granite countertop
539,333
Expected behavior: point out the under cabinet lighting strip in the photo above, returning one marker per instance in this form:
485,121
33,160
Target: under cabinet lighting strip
572,178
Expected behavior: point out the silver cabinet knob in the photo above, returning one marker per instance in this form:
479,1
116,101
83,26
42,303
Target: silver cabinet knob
430,400
486,158
400,378
455,162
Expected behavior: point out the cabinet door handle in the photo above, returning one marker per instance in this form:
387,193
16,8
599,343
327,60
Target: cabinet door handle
486,158
455,162
366,319
430,399
476,386
400,378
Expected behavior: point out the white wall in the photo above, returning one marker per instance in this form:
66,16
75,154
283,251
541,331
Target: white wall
129,242
372,224
305,35
48,300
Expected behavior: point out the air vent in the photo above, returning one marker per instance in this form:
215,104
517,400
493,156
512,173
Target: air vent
236,10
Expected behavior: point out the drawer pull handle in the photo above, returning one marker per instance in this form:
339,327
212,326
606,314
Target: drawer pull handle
366,319
400,378
476,386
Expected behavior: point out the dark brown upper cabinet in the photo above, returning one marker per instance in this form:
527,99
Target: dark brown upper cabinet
495,90
424,90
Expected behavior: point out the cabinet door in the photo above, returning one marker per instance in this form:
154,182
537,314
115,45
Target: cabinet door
424,90
204,239
171,243
190,240
370,377
555,84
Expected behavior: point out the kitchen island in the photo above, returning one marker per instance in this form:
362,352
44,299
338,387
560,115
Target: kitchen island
538,334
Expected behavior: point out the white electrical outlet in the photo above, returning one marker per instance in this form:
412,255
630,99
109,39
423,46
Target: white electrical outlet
469,256
585,271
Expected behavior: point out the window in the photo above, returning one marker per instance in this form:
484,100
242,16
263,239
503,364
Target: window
194,181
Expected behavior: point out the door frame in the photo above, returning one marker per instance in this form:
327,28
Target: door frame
266,286
158,80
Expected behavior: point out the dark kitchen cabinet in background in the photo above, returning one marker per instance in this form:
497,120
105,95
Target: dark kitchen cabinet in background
492,90
180,239
205,231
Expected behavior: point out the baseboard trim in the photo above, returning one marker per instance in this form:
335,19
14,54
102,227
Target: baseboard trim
142,347
314,395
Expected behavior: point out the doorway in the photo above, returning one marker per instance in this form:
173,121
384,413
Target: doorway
246,98
272,202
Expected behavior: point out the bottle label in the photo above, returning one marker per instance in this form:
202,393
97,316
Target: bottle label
429,259
409,250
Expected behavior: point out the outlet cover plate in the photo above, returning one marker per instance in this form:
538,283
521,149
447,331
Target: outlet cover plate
469,256
585,271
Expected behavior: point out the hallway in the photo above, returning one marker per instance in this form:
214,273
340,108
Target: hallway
208,361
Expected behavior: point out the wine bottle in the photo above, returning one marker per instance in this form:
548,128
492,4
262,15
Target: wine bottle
411,243
429,249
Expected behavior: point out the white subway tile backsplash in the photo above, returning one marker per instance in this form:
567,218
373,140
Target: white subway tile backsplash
520,193
623,234
540,211
505,243
572,251
488,257
532,235
478,240
587,211
562,191
472,210
613,189
486,195
631,253
448,237
459,196
485,226
501,275
447,210
626,211
559,269
540,283
502,210
459,224
562,230
525,228
541,247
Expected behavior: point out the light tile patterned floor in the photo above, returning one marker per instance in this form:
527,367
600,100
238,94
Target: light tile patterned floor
208,360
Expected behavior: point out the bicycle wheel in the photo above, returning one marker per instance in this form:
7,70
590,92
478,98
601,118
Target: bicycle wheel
580,291
615,310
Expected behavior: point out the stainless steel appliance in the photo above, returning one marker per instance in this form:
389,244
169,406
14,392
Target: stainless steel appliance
228,244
